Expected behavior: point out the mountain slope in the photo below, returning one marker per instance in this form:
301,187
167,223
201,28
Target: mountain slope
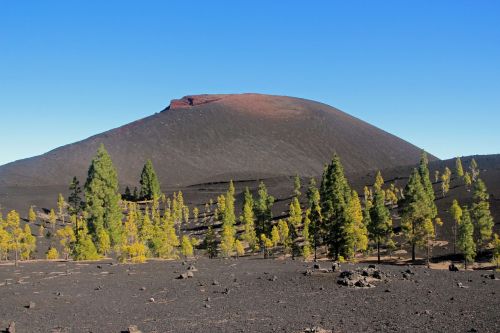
216,137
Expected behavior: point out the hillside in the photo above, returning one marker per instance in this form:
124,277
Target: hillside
217,137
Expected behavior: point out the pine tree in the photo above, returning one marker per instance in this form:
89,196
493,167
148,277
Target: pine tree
335,195
417,215
267,245
496,250
306,234
84,246
196,214
228,218
31,215
275,236
211,243
456,213
240,249
295,213
467,181
466,237
379,181
53,219
426,183
103,198
445,181
52,254
284,233
28,243
15,233
379,222
4,240
314,216
474,170
359,230
481,215
459,168
131,248
150,186
296,186
247,218
367,194
186,247
263,211
67,238
41,231
61,205
75,201
127,195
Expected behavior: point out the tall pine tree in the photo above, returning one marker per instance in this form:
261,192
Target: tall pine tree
466,237
335,195
481,215
103,198
150,186
417,215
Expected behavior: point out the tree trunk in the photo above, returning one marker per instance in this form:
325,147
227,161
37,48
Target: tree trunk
428,255
413,252
455,238
378,251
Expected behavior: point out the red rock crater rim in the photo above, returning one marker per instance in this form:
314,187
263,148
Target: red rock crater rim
193,100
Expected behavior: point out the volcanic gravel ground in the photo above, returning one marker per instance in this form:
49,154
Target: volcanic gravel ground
246,295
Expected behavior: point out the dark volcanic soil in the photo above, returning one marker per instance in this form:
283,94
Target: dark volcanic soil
249,295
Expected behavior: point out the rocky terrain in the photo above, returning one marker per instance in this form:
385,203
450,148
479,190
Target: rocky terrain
245,295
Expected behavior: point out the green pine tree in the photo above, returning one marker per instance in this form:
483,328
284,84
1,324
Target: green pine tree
466,237
150,186
248,220
423,171
459,168
417,215
456,213
379,221
314,216
335,195
296,186
103,198
263,211
481,215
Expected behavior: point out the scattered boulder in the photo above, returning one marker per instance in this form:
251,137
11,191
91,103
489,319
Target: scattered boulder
187,275
215,283
335,267
12,327
489,276
31,305
371,266
151,300
453,268
316,266
316,330
461,285
133,329
191,268
362,283
274,278
142,288
308,272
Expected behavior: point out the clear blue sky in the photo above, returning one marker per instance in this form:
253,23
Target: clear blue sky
427,71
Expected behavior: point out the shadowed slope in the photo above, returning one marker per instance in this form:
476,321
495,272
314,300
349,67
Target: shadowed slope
216,137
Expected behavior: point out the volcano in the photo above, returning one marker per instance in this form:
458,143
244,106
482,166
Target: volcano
208,138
